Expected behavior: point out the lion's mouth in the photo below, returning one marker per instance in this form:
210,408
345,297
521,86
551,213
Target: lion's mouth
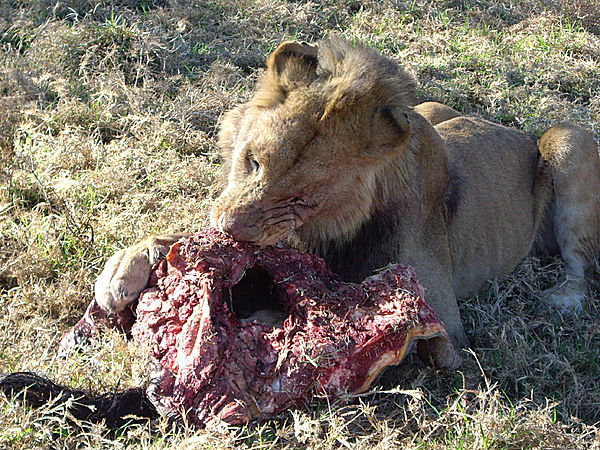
265,224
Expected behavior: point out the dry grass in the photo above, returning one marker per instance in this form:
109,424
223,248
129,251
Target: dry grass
107,133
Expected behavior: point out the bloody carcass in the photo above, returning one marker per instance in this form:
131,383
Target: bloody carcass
217,358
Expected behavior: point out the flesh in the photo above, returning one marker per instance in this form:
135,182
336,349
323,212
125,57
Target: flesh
214,363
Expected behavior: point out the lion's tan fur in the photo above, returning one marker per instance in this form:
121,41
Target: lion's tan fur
332,153
462,201
316,100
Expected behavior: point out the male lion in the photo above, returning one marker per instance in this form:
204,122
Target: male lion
331,154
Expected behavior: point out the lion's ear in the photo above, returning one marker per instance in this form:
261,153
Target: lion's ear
393,132
293,63
398,118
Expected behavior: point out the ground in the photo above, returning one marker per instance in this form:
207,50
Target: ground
108,115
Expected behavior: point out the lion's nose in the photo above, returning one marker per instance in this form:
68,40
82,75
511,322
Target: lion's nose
236,228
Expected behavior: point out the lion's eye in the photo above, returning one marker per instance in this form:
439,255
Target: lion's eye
254,166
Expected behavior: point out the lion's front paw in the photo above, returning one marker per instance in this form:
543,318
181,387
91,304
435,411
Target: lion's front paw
124,276
126,273
567,296
439,353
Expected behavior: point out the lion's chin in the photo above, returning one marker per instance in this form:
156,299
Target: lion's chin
272,239
273,236
255,233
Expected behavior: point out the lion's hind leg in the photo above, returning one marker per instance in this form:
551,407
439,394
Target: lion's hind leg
436,112
571,158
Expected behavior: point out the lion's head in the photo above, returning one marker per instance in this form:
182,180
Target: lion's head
305,151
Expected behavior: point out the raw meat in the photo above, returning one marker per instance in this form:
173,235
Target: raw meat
212,319
336,339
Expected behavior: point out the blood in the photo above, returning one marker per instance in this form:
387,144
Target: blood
212,319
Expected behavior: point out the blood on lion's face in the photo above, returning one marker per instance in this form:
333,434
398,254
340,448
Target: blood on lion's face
306,149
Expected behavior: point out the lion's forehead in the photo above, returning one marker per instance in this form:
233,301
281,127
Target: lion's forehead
278,131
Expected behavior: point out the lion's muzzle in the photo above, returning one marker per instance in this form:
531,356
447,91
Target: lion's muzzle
262,223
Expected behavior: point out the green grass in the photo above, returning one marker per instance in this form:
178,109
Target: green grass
108,134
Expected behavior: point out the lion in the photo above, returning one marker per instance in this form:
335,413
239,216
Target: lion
331,155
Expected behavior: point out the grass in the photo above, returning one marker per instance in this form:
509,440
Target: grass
107,134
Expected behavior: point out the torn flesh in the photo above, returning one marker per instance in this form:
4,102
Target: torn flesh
240,333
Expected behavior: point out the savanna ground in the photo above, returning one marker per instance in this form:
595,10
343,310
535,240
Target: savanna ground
108,116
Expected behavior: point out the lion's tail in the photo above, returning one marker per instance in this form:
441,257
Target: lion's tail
117,409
